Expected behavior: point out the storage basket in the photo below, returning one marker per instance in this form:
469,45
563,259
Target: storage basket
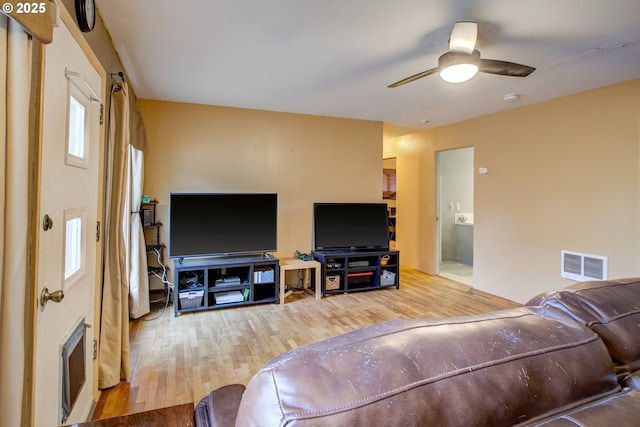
191,299
332,283
387,278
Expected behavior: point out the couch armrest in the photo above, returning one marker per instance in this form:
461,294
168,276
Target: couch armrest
220,407
611,308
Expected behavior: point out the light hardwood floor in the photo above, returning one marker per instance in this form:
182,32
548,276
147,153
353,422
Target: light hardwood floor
180,359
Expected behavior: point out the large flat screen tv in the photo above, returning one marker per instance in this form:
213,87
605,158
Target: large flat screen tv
350,226
214,224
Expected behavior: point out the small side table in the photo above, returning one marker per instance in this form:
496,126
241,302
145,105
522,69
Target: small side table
298,264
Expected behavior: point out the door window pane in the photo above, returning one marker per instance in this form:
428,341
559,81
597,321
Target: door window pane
76,127
74,245
78,123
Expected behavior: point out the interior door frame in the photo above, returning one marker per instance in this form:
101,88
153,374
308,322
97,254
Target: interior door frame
438,202
438,222
67,20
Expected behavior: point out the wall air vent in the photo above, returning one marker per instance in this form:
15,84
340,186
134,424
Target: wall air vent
583,267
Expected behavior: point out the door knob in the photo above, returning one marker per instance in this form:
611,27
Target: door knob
45,296
47,223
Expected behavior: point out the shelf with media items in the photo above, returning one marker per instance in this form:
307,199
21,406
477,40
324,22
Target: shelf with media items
212,283
159,287
351,241
350,271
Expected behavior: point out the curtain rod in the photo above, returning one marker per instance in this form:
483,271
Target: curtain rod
119,74
70,74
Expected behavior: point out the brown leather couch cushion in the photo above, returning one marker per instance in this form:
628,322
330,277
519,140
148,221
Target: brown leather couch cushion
502,368
620,410
632,380
610,308
220,407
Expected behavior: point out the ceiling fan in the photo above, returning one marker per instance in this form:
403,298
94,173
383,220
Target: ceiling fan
463,61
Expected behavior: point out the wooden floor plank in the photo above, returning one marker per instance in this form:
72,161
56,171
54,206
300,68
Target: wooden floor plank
173,416
180,359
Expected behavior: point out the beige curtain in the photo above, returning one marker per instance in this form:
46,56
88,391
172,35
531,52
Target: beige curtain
114,331
137,255
39,25
125,254
15,83
138,274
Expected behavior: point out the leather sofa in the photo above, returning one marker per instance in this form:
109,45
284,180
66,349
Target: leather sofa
567,358
611,309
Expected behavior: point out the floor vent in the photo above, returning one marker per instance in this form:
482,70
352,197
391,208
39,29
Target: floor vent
583,267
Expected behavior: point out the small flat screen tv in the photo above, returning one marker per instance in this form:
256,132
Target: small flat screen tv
350,226
215,224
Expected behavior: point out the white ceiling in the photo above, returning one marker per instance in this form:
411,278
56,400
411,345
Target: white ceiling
336,57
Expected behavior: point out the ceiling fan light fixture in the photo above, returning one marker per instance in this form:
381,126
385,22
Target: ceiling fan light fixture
458,73
462,62
458,67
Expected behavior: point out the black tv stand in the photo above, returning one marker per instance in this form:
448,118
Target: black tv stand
221,282
345,271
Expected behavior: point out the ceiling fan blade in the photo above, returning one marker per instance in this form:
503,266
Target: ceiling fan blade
415,77
463,37
504,68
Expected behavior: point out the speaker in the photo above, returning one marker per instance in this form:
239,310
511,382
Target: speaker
146,217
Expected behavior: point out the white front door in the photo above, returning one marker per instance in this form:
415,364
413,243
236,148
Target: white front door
67,248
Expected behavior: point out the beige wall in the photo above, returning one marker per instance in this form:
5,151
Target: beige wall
563,174
305,159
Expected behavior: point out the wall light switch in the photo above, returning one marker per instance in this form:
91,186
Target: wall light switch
458,206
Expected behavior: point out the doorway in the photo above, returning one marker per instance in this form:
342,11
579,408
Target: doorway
455,214
389,195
